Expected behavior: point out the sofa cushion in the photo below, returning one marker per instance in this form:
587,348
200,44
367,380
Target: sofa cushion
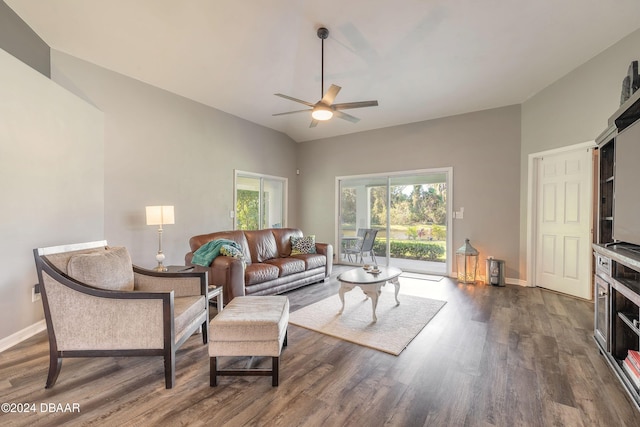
288,266
110,269
303,245
312,260
258,273
283,239
262,245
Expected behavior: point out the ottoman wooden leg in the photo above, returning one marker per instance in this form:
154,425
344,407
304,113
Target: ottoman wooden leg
275,366
213,371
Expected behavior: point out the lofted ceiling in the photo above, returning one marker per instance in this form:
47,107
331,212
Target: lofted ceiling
421,59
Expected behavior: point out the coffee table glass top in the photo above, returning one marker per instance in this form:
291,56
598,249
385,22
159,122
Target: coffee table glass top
362,276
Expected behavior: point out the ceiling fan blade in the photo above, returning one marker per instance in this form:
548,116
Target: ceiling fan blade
314,123
290,112
308,104
330,95
346,116
347,105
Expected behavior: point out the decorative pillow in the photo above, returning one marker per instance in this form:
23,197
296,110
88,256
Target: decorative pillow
228,250
303,245
111,269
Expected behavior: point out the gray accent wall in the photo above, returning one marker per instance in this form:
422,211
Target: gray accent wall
164,149
51,181
482,147
18,39
573,110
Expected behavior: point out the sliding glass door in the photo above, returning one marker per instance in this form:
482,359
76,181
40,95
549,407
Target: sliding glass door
363,206
410,213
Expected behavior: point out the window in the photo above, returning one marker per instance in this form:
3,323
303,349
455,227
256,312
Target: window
260,201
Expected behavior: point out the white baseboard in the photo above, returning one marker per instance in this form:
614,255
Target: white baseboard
22,335
519,282
507,280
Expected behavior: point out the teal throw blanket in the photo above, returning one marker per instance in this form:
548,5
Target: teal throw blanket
205,254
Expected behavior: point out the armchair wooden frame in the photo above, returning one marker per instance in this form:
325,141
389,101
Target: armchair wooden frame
170,345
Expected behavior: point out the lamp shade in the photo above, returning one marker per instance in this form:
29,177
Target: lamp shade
160,215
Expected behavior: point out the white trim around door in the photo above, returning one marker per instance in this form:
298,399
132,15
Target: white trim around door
532,188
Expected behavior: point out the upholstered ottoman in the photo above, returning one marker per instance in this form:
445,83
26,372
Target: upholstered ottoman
249,326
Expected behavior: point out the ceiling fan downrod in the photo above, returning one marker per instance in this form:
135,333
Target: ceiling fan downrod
326,108
323,33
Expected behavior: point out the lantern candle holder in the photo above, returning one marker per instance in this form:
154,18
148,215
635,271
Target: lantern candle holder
467,263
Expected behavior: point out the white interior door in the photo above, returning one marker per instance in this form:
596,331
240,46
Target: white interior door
563,226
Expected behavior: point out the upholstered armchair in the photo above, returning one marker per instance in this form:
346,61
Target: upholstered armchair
96,303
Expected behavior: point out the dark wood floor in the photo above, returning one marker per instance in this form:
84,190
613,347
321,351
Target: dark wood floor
492,356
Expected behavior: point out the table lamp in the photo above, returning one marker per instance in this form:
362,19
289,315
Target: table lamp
160,215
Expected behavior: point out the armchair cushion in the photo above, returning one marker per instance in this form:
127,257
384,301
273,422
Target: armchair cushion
186,311
111,269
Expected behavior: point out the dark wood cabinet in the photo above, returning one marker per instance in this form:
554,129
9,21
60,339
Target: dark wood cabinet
617,265
606,180
617,309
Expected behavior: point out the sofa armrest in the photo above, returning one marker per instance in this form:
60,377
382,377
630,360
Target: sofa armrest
184,283
327,250
228,272
187,258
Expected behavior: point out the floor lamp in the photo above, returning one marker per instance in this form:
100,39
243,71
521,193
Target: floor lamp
160,215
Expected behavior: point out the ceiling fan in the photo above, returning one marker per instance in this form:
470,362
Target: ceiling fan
325,108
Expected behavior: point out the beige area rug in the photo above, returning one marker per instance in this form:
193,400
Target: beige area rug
392,333
420,276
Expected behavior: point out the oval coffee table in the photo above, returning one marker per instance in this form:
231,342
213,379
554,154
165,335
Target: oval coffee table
370,283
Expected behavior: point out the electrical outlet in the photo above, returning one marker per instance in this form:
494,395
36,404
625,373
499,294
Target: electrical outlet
35,296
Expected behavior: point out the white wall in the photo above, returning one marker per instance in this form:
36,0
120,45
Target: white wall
163,149
482,147
573,110
51,181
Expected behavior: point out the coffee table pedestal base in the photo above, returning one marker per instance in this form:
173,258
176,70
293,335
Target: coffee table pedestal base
371,290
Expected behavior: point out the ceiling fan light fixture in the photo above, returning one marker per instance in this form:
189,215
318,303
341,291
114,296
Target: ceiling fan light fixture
324,109
321,113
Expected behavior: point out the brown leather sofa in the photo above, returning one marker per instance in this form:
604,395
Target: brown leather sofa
270,268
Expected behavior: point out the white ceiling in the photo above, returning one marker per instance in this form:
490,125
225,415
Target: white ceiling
421,59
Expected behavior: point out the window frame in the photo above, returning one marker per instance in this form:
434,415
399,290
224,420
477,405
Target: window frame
261,177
